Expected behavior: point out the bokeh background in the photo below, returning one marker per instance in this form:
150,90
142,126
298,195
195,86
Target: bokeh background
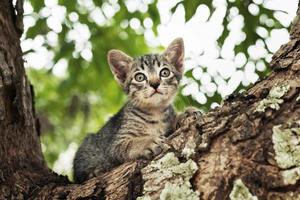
228,46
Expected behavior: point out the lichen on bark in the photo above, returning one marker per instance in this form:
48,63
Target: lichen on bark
291,176
298,98
169,176
178,192
286,142
287,145
241,192
189,149
274,99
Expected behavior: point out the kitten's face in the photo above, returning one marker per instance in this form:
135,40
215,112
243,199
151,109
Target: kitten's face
151,81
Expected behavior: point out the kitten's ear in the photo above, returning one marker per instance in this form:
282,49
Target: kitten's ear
175,54
119,64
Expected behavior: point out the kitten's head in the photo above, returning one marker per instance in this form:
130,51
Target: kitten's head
151,81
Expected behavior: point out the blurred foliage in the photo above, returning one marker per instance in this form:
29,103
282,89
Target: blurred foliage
83,99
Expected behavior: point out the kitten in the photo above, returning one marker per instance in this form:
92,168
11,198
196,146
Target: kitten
139,128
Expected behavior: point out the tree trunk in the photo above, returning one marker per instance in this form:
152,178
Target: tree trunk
249,148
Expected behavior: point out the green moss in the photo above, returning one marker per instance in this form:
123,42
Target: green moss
174,174
241,192
273,100
287,146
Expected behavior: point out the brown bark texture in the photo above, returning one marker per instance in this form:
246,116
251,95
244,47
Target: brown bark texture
248,148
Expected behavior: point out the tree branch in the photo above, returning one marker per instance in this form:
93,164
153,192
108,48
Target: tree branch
229,147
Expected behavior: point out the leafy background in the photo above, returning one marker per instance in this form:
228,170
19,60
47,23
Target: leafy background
65,46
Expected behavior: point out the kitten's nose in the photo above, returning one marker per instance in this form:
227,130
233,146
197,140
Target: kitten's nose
155,85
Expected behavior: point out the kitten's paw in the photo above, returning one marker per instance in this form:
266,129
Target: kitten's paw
189,115
152,148
147,148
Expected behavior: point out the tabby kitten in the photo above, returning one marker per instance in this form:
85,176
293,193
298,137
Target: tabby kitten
139,128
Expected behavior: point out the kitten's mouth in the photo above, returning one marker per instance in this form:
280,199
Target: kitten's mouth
156,92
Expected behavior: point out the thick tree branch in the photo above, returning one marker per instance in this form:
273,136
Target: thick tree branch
229,147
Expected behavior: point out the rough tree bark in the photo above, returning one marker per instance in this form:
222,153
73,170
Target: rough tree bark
249,148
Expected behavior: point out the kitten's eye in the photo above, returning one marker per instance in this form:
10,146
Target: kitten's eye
165,72
139,77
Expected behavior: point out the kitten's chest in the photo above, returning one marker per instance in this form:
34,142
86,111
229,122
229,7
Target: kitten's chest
147,122
158,125
159,128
